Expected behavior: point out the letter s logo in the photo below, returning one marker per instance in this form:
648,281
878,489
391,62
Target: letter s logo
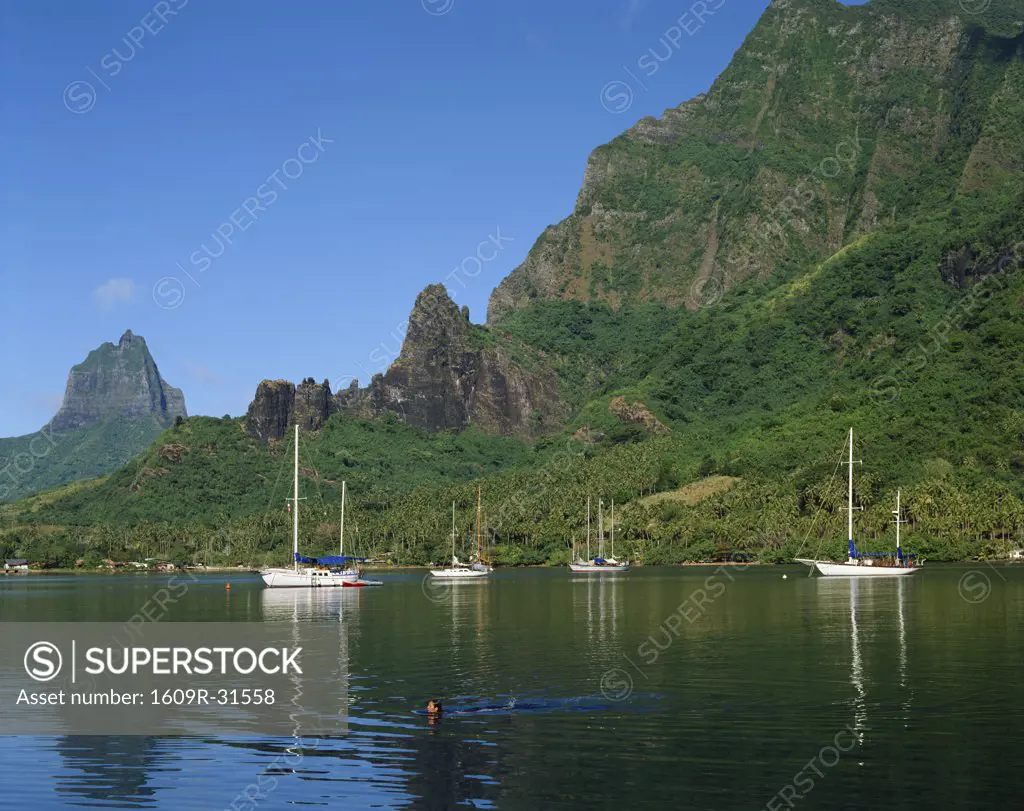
43,661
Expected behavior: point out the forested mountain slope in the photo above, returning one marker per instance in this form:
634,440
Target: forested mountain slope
832,237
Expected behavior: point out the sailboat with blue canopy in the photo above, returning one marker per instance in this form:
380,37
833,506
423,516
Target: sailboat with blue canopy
310,572
866,564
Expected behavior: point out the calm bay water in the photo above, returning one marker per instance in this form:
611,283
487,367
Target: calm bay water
663,688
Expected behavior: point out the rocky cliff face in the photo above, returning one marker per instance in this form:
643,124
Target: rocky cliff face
637,414
278,405
115,404
450,374
779,164
119,380
270,412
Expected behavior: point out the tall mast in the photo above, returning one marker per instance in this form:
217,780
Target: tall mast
453,533
588,527
613,529
600,529
849,505
849,511
478,523
295,504
343,519
899,520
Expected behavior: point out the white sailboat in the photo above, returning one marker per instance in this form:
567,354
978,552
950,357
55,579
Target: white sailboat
866,564
459,570
317,572
599,565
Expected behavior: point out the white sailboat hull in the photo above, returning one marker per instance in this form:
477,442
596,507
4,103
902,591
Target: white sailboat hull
598,568
459,573
827,569
308,578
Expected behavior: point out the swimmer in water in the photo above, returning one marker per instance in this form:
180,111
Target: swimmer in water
434,710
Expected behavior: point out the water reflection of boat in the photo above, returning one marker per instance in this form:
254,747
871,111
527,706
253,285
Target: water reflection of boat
905,693
860,712
602,607
861,597
325,655
306,604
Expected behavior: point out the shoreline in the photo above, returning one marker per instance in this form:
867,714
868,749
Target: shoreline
397,569
79,572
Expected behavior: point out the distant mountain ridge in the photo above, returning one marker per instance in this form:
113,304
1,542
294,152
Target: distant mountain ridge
115,404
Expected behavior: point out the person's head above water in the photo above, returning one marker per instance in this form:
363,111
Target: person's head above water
434,707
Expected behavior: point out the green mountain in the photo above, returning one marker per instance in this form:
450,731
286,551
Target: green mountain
115,404
831,124
831,237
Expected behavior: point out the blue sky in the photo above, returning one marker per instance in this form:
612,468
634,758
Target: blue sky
347,153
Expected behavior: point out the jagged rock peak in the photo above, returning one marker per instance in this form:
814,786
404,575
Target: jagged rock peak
119,380
115,404
271,409
450,374
453,374
280,404
435,318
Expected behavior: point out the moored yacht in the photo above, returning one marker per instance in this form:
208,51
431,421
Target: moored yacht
334,570
459,570
866,564
599,564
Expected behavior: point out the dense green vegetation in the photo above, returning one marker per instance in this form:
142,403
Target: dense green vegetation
226,473
594,348
912,333
762,387
50,458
